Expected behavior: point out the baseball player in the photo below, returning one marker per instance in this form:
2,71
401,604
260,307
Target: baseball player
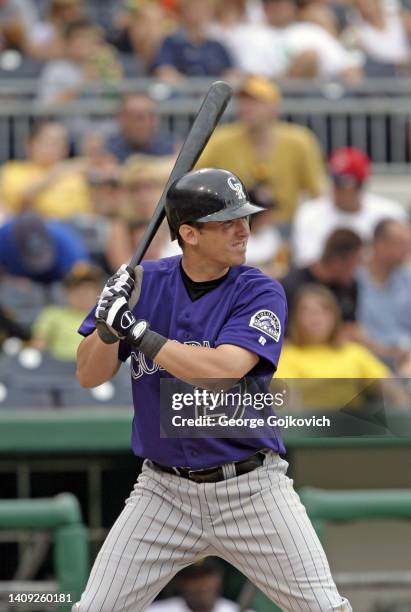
202,315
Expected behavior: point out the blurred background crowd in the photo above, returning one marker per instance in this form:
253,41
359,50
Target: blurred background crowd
96,98
80,42
77,191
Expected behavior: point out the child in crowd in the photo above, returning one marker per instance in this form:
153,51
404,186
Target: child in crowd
55,329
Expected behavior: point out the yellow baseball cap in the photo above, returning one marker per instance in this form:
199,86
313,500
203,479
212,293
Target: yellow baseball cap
260,88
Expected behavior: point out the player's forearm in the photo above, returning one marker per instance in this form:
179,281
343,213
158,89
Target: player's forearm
195,363
97,362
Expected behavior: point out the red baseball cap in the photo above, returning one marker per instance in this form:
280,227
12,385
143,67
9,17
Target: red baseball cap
348,164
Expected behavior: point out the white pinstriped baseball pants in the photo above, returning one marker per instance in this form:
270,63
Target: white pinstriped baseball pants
255,521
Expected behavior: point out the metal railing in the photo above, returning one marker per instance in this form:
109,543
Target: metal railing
370,117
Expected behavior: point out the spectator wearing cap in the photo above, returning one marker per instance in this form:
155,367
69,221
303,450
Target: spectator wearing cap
42,251
335,269
199,586
47,181
138,130
348,205
384,296
264,151
190,52
55,329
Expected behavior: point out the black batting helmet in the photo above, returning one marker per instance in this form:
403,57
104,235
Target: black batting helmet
211,194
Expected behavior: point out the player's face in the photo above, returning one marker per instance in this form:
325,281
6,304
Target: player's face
224,242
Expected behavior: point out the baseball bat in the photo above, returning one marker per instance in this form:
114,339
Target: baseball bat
211,109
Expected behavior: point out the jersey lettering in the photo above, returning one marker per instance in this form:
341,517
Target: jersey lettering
140,364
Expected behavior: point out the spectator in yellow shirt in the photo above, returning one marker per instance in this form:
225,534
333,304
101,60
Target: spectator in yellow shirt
46,181
315,351
262,150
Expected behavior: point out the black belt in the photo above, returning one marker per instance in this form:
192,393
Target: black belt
215,474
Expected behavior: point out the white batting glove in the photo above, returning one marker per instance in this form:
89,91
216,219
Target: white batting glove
120,293
121,284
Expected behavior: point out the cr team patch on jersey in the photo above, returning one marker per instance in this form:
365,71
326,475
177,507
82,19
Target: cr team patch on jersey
268,323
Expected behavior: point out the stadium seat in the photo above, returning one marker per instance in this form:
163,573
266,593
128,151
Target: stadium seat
32,368
24,299
32,379
103,12
11,398
16,66
132,66
108,394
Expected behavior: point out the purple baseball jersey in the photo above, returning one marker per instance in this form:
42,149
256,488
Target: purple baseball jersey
248,309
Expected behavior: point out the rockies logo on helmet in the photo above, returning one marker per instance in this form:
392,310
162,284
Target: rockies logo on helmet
209,194
237,187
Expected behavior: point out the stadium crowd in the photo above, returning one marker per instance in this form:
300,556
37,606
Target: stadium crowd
80,42
77,205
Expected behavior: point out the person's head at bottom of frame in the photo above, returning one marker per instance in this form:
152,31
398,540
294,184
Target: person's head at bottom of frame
200,585
209,212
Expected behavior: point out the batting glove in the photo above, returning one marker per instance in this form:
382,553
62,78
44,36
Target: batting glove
113,317
124,285
126,282
115,321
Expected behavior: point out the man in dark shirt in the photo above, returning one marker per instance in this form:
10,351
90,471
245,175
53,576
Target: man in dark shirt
138,130
335,270
189,51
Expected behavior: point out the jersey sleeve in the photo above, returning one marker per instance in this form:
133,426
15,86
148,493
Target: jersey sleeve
87,328
258,320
